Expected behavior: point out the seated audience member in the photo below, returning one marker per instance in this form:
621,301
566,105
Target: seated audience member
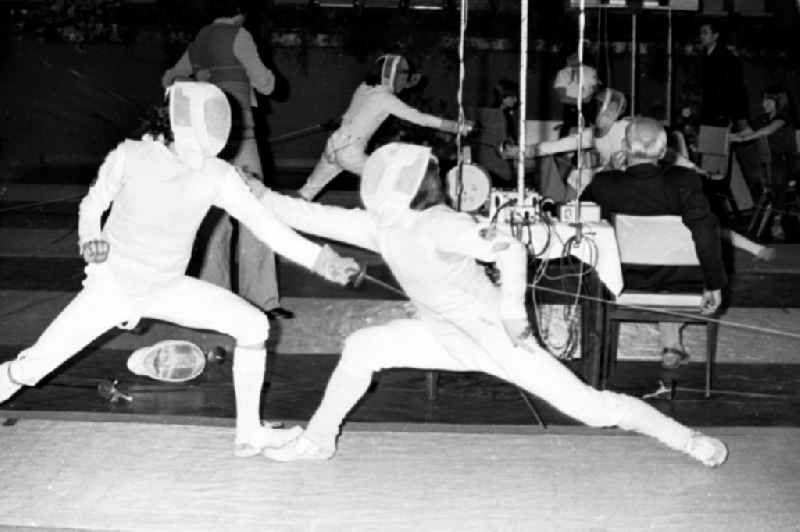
647,188
777,125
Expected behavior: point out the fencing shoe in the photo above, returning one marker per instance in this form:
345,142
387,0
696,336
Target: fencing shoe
168,361
300,448
710,451
264,438
8,386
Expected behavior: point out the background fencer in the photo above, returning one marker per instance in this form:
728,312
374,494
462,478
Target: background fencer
372,103
607,140
466,323
136,262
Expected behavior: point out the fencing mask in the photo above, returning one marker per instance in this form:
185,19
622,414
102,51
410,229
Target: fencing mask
396,73
612,102
200,119
168,361
392,176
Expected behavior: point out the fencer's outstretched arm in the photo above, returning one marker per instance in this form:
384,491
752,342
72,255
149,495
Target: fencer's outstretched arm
239,202
356,227
551,147
102,192
569,143
400,109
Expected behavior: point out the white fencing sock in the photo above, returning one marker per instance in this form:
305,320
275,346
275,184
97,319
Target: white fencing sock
8,386
249,365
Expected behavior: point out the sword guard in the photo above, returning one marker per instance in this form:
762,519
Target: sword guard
357,277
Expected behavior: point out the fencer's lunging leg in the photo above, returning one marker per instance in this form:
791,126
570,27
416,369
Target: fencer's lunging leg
400,343
198,304
323,173
544,376
98,307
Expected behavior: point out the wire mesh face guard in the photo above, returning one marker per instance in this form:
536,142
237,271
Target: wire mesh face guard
392,176
200,118
168,361
611,102
393,66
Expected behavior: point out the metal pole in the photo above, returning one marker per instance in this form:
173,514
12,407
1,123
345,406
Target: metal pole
581,33
523,91
668,119
633,63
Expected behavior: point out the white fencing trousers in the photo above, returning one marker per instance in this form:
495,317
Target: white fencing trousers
342,152
411,343
100,306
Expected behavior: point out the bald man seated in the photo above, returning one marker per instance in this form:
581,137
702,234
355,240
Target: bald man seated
646,188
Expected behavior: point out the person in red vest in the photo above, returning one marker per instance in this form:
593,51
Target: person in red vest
225,54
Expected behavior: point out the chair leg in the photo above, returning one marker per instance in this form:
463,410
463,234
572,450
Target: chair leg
610,354
432,384
712,332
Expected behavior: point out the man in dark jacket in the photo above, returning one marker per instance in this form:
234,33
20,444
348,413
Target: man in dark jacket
724,98
647,188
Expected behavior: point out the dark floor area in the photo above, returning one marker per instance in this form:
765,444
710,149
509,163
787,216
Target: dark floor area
744,394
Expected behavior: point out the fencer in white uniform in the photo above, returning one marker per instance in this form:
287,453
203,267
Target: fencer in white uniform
136,261
606,140
465,323
372,103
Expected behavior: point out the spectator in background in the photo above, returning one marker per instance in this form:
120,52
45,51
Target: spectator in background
566,85
647,188
724,98
225,54
777,125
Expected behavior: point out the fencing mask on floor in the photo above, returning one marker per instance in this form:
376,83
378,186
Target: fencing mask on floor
168,361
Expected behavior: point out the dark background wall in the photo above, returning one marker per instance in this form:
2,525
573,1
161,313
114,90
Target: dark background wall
66,104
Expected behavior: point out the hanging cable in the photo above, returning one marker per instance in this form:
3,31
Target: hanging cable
462,33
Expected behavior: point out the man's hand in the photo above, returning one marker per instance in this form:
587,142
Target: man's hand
95,251
468,127
712,299
518,330
335,268
508,150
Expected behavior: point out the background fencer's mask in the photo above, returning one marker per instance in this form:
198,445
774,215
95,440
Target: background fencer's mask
396,73
612,102
168,361
392,176
200,119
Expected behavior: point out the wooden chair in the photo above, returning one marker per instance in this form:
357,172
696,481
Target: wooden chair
655,240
